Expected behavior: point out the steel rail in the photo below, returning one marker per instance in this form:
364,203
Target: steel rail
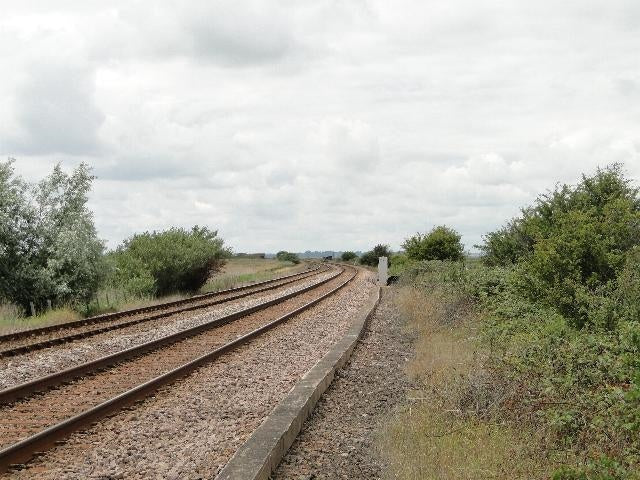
10,352
22,390
134,311
20,452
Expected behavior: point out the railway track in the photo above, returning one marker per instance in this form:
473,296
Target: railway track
36,339
92,391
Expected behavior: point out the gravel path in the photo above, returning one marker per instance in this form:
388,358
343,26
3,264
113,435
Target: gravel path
23,368
337,441
190,429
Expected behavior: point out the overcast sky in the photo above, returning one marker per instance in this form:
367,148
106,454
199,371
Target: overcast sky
319,124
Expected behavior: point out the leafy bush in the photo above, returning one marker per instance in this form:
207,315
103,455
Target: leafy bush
558,297
284,256
348,256
49,248
571,245
370,258
399,262
175,260
441,243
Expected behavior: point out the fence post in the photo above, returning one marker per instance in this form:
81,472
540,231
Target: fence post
33,309
48,304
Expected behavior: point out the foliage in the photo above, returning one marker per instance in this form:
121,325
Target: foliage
160,263
285,256
370,258
606,197
348,256
441,243
400,262
49,248
572,244
558,297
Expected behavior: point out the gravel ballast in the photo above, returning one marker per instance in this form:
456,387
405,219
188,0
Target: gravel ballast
338,440
27,367
190,429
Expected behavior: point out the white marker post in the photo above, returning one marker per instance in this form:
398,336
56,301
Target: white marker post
382,271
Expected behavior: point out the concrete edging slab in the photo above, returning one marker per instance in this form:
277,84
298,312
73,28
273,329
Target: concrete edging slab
263,450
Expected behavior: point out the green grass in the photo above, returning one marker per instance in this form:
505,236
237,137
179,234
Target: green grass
13,320
111,300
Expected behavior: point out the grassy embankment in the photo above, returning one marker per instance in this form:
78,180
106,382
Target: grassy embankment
528,363
507,388
242,271
451,427
236,272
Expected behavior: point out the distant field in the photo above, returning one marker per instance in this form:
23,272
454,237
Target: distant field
240,271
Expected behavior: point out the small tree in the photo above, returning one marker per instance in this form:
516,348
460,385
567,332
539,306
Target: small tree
348,256
177,260
49,249
370,258
285,256
441,243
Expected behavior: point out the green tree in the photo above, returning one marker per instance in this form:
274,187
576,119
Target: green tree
348,256
370,258
49,249
441,243
285,256
571,246
175,260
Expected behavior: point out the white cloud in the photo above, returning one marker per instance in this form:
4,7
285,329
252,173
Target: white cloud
319,124
55,112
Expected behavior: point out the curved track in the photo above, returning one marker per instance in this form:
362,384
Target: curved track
36,339
39,421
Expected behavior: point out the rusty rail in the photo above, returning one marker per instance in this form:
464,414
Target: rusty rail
23,450
134,311
9,352
11,394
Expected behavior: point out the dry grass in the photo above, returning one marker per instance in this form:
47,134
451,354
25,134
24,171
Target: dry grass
449,430
425,443
12,320
139,302
242,271
237,272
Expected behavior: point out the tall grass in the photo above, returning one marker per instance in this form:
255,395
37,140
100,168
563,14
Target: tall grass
233,278
448,429
12,318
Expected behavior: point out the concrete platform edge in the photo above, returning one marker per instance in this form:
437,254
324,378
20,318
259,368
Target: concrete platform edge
263,450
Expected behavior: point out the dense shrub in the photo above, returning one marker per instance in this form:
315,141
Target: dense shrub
285,256
175,260
605,201
571,245
348,256
370,258
559,299
441,243
49,248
